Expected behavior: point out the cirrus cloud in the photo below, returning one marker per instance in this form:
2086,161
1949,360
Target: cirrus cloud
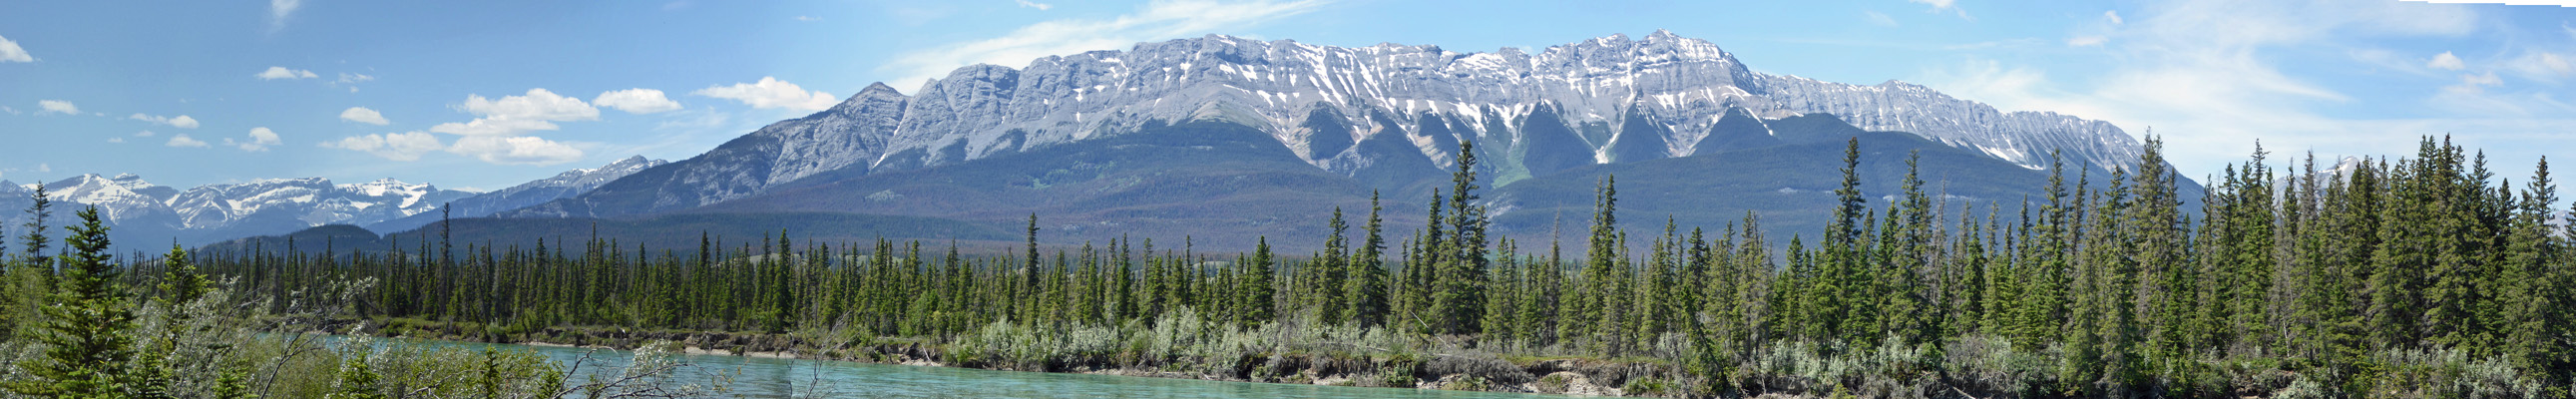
770,92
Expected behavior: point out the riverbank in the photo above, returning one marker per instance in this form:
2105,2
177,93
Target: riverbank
1428,371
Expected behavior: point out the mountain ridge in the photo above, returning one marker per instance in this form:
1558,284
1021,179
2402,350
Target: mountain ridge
1604,100
140,211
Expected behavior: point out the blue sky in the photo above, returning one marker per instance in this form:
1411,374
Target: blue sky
485,94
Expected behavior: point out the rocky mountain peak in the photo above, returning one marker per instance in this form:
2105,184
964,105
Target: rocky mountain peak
1603,100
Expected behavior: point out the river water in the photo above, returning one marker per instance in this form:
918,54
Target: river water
759,377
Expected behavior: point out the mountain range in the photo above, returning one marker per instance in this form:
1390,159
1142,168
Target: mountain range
141,212
1227,141
1605,100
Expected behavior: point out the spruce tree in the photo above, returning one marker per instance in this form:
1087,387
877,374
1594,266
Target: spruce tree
1456,296
86,328
1257,289
1600,265
1367,285
2535,310
1333,270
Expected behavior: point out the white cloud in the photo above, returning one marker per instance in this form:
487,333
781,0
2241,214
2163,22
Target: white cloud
2086,41
538,104
182,121
260,139
515,150
492,127
1875,18
11,111
2543,66
10,52
57,107
2113,17
279,9
1158,20
2203,74
116,139
146,133
2486,79
407,146
364,115
1036,5
512,115
636,101
279,72
2446,61
770,92
182,140
352,79
807,18
1943,5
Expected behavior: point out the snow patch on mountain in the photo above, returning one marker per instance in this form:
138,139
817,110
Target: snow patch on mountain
1658,94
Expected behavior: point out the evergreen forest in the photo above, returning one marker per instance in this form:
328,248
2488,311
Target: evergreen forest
2420,276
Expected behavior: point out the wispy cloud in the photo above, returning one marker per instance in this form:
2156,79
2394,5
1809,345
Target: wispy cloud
769,92
406,146
2204,74
182,140
1155,21
56,107
1036,5
351,80
515,150
278,10
1939,6
182,121
1876,18
2446,61
278,72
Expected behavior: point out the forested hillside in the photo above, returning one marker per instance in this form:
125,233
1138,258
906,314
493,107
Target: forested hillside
2422,276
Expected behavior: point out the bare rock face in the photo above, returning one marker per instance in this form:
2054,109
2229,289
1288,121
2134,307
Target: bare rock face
1359,111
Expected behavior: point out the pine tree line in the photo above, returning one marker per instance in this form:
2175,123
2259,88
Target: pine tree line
2318,271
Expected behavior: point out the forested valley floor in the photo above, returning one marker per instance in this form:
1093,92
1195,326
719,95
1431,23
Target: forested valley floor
2423,276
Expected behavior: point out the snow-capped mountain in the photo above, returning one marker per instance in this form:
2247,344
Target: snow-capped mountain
140,209
122,199
567,184
1349,110
308,201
